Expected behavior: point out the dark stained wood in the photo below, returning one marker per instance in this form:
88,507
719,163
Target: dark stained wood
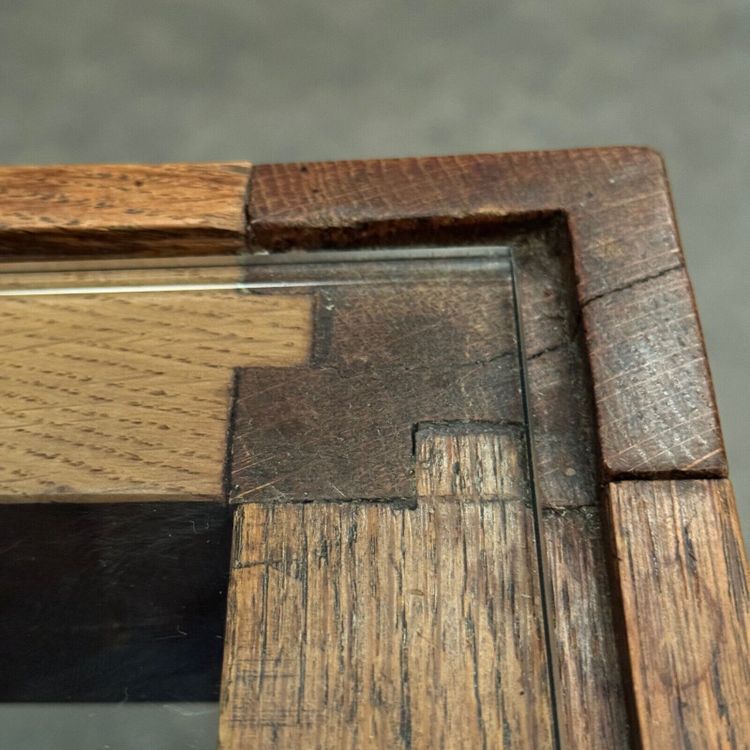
617,200
636,363
452,310
590,702
400,309
560,403
683,580
612,204
119,210
455,321
371,625
590,698
395,356
439,313
323,435
559,385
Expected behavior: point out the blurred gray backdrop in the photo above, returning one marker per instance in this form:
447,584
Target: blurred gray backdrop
161,80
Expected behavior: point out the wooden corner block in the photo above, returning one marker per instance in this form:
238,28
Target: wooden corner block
591,708
683,581
654,401
603,194
655,406
121,210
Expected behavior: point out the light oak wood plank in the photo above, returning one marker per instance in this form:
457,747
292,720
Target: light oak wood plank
122,210
117,397
374,625
683,580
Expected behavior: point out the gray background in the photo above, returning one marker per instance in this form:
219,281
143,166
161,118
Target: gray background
154,80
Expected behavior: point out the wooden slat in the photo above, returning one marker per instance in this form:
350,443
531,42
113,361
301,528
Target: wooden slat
622,233
121,210
624,227
126,396
683,579
590,696
371,625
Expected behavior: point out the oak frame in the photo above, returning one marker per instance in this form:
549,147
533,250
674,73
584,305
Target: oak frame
615,209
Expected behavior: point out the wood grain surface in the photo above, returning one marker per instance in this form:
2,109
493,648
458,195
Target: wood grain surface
621,221
613,205
559,385
632,348
471,462
389,356
590,688
683,580
126,396
122,210
372,625
416,622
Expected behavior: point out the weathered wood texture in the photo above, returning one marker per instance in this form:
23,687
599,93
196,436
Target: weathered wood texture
590,702
471,462
614,204
119,210
642,343
683,580
590,695
559,387
126,396
617,212
372,625
433,603
439,314
389,355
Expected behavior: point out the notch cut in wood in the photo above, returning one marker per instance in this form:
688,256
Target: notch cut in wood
393,354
